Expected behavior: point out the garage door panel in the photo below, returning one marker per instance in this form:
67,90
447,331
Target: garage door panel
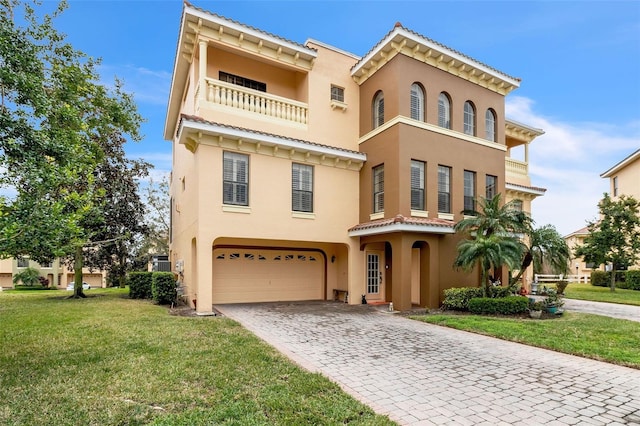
267,275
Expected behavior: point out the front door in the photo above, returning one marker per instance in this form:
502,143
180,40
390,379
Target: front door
375,276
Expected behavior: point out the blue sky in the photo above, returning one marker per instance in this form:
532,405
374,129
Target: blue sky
579,63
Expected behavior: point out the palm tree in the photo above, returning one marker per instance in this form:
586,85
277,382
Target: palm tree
29,277
489,252
493,217
546,246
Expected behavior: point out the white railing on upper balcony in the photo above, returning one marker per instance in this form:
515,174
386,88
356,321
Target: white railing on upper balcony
255,101
516,167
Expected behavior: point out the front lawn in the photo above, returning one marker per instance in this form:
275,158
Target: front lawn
109,360
585,291
591,336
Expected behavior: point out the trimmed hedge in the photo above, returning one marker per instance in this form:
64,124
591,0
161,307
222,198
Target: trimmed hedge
140,285
457,299
164,288
503,305
603,279
633,280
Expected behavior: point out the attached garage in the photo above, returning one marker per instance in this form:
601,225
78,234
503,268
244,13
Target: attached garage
6,280
243,275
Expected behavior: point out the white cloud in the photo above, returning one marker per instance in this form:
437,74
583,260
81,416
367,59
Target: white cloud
568,160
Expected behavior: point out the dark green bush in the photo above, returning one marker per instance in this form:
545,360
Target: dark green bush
498,291
600,279
140,285
164,288
457,299
503,305
633,280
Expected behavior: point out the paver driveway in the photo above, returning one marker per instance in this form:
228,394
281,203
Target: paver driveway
419,373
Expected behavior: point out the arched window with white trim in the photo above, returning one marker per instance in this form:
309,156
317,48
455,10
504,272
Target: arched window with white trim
417,102
444,111
490,125
378,109
469,119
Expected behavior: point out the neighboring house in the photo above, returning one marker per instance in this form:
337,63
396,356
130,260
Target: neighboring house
299,170
58,274
624,177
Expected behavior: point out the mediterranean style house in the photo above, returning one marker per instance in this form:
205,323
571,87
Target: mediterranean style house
304,172
624,179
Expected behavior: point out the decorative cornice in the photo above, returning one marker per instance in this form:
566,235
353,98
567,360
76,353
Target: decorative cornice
521,131
403,41
529,190
194,131
400,119
402,224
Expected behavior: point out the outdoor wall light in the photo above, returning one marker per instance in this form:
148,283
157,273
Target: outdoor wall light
333,258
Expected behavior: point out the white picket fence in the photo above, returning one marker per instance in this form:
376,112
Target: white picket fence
547,278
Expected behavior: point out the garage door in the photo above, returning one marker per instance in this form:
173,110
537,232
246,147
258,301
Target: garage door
264,275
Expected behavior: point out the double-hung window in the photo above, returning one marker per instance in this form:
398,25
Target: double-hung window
378,189
490,125
491,185
301,188
444,111
444,189
469,119
417,185
235,179
469,190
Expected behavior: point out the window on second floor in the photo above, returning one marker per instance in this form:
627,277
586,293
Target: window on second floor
469,119
491,186
301,188
469,190
490,125
337,93
517,205
417,185
23,262
242,81
378,189
235,179
615,186
444,111
444,189
378,109
417,102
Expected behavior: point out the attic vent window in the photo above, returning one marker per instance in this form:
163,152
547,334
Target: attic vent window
242,81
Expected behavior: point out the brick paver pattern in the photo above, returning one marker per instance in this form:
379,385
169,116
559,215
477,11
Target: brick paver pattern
422,374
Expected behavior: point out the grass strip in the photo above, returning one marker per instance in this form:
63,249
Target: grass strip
585,291
591,336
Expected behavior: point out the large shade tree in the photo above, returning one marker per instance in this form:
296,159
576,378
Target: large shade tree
54,117
615,238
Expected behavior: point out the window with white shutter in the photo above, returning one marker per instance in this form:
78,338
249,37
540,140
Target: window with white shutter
444,189
444,111
301,188
417,102
378,189
235,179
417,185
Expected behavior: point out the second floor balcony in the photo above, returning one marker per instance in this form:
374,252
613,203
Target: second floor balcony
232,97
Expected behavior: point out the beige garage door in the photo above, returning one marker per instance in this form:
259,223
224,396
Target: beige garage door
263,275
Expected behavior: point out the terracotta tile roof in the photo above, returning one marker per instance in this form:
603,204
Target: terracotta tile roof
399,25
201,120
247,26
400,219
534,188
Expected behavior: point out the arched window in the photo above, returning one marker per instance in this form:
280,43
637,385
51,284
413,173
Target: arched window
469,119
378,109
444,111
417,102
490,125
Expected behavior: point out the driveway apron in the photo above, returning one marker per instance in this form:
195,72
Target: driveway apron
422,374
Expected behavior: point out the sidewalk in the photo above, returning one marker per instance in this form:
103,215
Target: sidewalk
614,310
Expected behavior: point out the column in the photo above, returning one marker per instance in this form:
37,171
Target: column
202,70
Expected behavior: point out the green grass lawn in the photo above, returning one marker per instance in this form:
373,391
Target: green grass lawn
584,291
606,339
109,360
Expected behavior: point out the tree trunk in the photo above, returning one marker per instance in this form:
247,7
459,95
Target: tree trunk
612,286
528,258
78,262
484,282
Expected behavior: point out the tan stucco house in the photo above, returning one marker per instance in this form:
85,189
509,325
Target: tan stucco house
57,272
302,169
624,177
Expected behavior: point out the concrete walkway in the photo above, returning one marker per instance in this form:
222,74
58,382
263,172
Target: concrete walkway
614,310
422,374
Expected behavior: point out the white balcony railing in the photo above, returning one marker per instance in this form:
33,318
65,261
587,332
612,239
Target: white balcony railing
242,98
516,167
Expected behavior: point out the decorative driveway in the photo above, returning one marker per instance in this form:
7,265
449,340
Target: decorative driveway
422,374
